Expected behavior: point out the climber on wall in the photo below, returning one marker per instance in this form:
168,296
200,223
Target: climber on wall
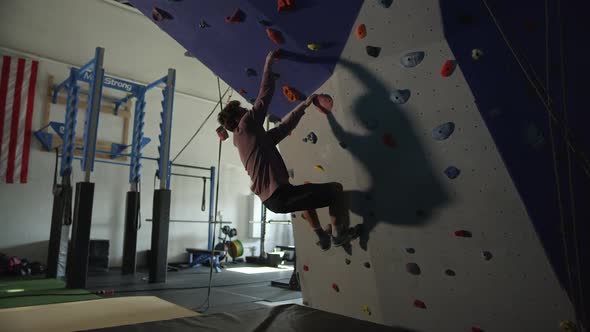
266,168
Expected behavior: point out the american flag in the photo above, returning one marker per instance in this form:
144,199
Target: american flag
17,96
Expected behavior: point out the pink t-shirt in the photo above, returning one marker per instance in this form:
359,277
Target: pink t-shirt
257,147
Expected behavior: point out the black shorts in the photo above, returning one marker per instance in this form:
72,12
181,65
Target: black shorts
289,198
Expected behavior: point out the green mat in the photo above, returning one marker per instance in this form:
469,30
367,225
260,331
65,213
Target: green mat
22,292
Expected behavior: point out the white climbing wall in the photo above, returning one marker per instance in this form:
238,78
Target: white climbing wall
417,207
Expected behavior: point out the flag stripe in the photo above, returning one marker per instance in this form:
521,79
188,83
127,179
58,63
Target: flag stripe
7,120
22,116
3,91
30,106
14,121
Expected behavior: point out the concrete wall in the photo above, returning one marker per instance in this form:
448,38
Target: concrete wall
409,209
67,32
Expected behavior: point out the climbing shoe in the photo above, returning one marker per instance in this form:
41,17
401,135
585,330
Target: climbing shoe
345,237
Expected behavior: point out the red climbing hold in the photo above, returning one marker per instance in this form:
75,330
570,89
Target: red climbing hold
448,68
305,268
242,91
335,287
476,329
306,182
389,141
285,5
236,17
361,31
419,304
291,94
463,233
275,36
159,15
324,103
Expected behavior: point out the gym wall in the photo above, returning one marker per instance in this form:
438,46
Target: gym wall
440,251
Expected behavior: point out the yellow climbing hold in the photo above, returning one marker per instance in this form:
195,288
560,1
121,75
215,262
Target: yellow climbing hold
566,325
319,168
314,47
366,309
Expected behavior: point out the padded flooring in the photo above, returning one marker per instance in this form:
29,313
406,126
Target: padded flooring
232,291
29,291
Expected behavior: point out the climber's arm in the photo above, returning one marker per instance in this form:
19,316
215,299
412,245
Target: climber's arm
267,88
289,123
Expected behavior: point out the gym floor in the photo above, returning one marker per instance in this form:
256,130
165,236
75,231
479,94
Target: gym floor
238,287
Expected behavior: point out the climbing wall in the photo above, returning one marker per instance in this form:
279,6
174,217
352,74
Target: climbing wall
448,244
472,214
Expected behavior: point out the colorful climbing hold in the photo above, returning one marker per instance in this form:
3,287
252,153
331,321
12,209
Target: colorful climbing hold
373,51
448,68
413,268
400,96
251,72
311,138
242,92
285,5
388,140
305,268
160,15
450,273
487,255
367,265
463,233
335,287
361,31
452,172
275,36
365,308
291,94
412,59
476,54
324,103
410,250
443,131
419,304
385,3
566,325
203,24
314,46
237,17
347,261
319,168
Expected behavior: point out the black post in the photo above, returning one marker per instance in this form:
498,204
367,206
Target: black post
131,227
77,268
59,232
158,258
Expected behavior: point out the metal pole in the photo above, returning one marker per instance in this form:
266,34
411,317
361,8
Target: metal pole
165,148
92,120
189,166
211,208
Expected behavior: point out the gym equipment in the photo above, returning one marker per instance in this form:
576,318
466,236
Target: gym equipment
93,73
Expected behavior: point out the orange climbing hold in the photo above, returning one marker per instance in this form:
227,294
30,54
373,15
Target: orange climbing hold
291,94
275,36
242,91
285,5
389,141
335,287
236,17
448,68
361,31
419,304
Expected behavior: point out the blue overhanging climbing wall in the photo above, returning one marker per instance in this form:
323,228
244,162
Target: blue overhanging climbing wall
545,40
234,48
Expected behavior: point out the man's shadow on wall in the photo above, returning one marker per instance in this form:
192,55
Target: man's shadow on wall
401,186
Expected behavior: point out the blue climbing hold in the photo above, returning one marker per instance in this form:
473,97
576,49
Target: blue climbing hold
400,96
412,59
452,172
443,131
385,3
